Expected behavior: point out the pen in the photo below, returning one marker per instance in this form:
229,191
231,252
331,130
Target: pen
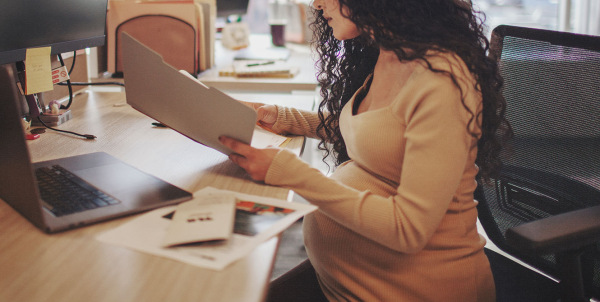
259,64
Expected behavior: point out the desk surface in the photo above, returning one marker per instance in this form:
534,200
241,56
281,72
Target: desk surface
300,55
74,266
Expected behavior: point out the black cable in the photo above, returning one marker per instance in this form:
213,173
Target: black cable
87,136
83,83
73,63
92,83
68,84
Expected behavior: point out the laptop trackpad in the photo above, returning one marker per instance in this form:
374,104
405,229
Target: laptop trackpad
131,186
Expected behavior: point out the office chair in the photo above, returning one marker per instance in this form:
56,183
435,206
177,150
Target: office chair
544,207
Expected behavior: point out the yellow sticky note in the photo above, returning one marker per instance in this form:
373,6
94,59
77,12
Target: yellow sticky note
38,70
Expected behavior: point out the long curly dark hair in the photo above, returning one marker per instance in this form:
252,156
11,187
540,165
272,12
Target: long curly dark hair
410,28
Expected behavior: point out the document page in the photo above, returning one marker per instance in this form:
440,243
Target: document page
257,219
208,217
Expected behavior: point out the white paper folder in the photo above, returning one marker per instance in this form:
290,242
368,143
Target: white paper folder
180,101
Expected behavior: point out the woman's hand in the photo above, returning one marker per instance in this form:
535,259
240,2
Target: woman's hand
256,162
266,114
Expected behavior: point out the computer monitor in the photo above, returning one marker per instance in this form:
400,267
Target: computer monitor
64,25
226,8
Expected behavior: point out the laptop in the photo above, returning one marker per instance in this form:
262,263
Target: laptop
180,101
120,188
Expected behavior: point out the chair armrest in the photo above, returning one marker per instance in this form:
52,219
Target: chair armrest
567,231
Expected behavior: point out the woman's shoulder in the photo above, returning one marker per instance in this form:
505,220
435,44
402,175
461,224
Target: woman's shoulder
446,61
435,85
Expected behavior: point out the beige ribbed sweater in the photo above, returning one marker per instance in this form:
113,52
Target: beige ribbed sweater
397,222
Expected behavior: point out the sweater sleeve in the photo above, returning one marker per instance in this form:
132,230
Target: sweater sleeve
296,121
437,147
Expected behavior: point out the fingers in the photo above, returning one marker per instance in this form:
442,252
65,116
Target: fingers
255,172
238,159
235,145
255,106
256,162
240,151
267,115
252,105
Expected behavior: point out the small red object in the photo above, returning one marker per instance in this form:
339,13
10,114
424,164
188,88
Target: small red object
32,136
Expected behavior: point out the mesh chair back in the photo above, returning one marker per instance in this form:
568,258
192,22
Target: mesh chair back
552,90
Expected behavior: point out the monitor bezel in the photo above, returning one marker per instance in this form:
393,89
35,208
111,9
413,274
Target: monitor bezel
16,55
58,46
224,12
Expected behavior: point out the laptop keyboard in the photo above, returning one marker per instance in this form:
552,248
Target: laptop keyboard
65,193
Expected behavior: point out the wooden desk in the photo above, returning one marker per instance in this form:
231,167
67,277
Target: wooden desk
74,266
300,56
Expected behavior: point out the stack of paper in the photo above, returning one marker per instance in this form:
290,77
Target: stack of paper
260,68
207,12
257,219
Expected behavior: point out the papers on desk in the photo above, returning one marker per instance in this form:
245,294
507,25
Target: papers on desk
260,69
262,138
257,219
208,217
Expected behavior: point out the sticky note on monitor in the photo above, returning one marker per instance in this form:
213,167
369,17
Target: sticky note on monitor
38,70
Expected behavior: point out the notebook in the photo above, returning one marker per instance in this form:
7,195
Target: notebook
260,69
128,189
181,102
